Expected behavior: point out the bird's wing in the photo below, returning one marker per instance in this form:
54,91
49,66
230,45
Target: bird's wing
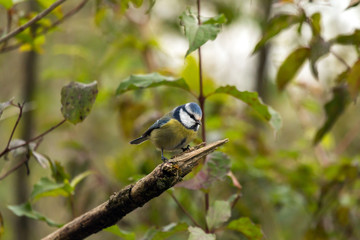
158,124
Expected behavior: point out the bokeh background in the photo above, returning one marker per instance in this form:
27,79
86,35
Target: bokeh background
290,188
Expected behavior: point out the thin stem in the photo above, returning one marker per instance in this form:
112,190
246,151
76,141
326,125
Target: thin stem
341,60
33,139
184,210
32,21
14,168
14,128
202,106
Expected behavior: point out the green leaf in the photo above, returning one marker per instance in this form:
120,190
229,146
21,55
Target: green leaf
45,187
348,39
27,211
198,35
255,102
316,23
6,3
218,165
114,229
77,100
58,172
318,48
291,66
5,105
218,214
198,234
333,109
76,180
137,3
353,79
246,227
169,230
276,25
150,80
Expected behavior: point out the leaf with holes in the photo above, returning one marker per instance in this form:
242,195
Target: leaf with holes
198,35
246,227
291,66
276,25
255,102
353,79
333,109
198,234
77,100
135,82
27,211
219,213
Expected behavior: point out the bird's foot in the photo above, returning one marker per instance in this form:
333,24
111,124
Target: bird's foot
187,148
164,159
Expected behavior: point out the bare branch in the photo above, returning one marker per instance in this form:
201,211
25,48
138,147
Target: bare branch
163,177
31,22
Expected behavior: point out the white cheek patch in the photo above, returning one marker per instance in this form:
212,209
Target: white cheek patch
186,119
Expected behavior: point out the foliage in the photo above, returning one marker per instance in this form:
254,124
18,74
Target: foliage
301,185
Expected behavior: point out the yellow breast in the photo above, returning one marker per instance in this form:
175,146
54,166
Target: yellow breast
172,135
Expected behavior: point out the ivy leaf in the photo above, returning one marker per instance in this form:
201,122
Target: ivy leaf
246,227
348,39
276,25
353,79
198,35
27,211
291,66
198,234
114,229
150,80
218,214
5,105
45,188
318,48
6,3
255,102
77,100
333,109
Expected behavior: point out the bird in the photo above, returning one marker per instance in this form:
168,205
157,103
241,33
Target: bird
175,130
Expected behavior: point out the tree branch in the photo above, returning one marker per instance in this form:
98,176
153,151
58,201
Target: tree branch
163,177
31,22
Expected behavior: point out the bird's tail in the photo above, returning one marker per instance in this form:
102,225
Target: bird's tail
139,140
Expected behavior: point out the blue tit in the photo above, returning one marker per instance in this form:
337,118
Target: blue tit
174,130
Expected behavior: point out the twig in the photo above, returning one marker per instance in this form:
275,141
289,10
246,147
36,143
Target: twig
53,25
35,138
20,106
163,177
32,21
341,60
14,168
184,210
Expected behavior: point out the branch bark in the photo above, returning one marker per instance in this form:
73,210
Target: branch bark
163,177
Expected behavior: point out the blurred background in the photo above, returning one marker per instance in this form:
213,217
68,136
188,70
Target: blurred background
290,188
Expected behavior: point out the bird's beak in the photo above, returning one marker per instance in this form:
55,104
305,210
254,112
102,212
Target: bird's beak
198,122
